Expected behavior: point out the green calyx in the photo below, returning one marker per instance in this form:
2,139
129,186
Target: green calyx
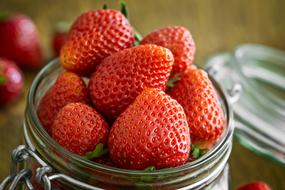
171,82
197,152
4,15
149,169
125,12
98,152
2,80
124,9
138,37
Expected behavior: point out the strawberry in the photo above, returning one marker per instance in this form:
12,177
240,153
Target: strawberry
59,36
68,88
180,42
57,42
79,128
11,81
19,41
123,75
152,131
94,36
197,95
256,185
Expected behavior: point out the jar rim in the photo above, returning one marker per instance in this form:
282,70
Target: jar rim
31,111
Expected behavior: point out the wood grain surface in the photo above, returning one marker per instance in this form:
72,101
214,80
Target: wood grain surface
217,25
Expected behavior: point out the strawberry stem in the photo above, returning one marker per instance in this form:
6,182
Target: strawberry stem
105,6
99,151
125,12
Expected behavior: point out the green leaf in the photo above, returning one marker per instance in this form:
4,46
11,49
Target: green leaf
149,169
148,178
125,12
124,9
2,80
4,15
143,186
196,153
138,37
105,6
171,82
99,151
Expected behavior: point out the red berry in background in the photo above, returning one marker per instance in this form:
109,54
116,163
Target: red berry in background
57,42
197,95
11,81
122,76
19,41
179,41
59,37
256,185
94,36
79,128
68,88
153,131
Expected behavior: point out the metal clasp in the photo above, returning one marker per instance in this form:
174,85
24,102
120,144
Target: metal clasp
18,177
234,93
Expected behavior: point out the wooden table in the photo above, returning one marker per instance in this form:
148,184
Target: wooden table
218,25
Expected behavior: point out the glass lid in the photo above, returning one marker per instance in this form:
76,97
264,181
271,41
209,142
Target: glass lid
258,72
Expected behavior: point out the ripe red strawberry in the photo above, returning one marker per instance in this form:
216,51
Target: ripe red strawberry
68,88
11,81
256,185
180,42
153,131
58,40
79,128
94,36
19,41
197,95
123,75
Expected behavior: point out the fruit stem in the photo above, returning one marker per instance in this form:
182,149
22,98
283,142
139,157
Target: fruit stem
105,6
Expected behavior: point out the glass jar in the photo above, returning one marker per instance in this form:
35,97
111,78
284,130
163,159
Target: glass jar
71,171
259,113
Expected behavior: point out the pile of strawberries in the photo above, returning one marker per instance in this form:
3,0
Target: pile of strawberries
144,105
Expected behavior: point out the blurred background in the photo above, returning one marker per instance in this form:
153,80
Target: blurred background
216,25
